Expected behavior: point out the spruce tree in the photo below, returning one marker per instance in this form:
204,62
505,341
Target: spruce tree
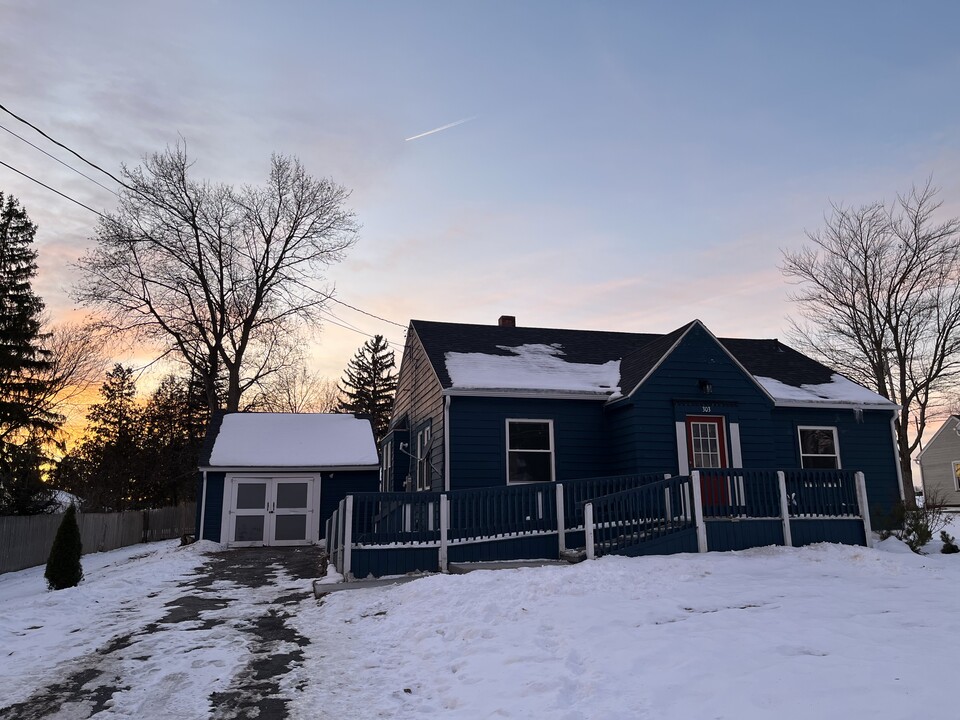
369,384
63,565
24,417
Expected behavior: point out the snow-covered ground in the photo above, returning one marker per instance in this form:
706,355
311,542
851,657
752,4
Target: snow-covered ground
820,632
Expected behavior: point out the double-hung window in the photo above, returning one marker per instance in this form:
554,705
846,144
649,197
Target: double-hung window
529,451
423,458
818,448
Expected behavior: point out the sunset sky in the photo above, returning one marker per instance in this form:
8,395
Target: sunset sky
621,165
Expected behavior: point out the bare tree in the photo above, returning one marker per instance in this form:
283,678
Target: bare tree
879,300
296,389
220,277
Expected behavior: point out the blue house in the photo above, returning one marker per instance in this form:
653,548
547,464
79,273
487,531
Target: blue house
481,406
653,443
272,478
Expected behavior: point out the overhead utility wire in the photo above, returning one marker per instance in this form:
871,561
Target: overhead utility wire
341,302
77,202
123,184
60,144
356,330
54,157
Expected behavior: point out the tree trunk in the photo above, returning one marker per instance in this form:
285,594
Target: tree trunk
906,465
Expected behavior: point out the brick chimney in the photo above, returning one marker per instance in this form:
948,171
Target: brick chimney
507,321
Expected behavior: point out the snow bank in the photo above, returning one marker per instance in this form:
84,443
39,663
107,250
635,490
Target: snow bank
825,631
293,440
838,390
531,367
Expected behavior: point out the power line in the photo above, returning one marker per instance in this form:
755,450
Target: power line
54,157
70,150
356,330
341,302
77,202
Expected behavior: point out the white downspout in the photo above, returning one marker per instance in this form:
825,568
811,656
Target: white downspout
203,506
896,455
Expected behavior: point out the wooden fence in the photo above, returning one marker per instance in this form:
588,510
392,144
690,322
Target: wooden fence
25,541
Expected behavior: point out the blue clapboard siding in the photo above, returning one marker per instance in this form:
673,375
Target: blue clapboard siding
725,535
213,508
393,561
478,453
805,532
642,428
334,486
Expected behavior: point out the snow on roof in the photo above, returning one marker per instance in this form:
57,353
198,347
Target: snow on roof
293,440
838,390
531,367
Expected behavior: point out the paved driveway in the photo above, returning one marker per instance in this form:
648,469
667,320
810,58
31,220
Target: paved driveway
131,665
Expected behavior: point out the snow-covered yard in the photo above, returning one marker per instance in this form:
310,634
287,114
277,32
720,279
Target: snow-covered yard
824,631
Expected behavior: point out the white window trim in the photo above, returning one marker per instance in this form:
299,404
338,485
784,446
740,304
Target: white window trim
386,467
424,468
552,451
956,480
836,443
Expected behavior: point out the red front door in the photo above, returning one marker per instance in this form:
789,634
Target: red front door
707,448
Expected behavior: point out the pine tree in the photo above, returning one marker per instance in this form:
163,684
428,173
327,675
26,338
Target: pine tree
369,384
108,467
22,357
24,416
63,565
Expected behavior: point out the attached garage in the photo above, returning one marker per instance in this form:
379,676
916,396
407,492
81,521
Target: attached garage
274,478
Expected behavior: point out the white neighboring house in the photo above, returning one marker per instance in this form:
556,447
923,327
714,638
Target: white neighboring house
274,478
940,464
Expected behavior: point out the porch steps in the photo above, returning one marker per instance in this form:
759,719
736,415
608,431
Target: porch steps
463,568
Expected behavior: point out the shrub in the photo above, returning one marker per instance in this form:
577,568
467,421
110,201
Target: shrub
63,565
916,525
949,543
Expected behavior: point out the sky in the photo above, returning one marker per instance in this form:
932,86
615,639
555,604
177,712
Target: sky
624,166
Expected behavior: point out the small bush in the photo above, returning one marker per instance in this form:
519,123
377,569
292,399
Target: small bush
949,543
63,566
916,525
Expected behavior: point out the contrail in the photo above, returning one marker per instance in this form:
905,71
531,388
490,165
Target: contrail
442,127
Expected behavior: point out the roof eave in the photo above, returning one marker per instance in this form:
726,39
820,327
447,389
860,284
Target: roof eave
527,393
836,405
287,468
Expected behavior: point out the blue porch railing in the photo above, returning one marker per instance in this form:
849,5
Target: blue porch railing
502,511
628,514
649,512
822,493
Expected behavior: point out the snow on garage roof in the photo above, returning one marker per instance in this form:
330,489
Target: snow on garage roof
301,440
531,367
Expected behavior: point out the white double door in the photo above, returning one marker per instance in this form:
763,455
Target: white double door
272,510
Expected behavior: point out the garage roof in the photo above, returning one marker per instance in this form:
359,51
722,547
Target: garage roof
294,440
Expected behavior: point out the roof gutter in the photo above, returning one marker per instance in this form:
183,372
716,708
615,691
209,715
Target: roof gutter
286,468
541,394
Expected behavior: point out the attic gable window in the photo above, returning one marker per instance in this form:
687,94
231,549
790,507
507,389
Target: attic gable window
819,448
529,451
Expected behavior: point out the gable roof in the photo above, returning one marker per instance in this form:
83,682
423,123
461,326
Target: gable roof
289,440
476,358
949,422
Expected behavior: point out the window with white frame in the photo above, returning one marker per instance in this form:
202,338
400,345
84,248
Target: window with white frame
818,448
386,468
956,476
423,458
529,451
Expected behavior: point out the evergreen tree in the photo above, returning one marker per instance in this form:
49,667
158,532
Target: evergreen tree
63,565
108,467
24,415
174,423
369,384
